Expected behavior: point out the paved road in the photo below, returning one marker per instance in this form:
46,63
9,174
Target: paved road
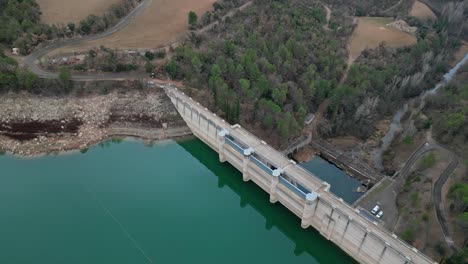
437,198
31,60
386,195
421,150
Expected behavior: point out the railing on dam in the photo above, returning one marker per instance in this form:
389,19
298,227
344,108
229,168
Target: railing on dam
301,191
336,220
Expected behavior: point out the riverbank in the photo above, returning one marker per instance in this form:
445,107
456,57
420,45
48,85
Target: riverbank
33,126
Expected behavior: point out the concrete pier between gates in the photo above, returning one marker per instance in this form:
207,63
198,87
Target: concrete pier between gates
298,190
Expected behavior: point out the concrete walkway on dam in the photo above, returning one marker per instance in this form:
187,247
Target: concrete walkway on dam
298,190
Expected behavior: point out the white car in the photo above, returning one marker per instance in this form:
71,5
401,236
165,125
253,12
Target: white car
375,209
379,215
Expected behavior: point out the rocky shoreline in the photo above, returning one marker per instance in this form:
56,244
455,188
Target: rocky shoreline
33,126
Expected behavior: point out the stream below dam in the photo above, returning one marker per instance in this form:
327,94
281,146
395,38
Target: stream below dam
395,126
127,202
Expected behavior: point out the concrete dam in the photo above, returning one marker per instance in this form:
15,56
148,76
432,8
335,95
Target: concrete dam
301,192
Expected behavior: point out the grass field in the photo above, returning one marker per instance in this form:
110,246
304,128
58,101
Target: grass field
371,31
64,11
421,11
160,24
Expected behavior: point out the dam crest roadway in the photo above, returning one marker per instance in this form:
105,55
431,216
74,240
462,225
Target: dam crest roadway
298,190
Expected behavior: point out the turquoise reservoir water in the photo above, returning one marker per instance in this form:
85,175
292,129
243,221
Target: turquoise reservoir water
342,185
130,203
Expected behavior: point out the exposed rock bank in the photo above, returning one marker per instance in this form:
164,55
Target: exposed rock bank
31,125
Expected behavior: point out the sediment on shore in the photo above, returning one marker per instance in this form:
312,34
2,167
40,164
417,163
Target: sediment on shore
32,125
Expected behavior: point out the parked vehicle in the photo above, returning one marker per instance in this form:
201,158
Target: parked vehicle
375,209
379,215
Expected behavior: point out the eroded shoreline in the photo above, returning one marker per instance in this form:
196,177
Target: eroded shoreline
34,126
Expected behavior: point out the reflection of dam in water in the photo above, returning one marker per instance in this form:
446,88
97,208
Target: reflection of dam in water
304,194
130,203
341,184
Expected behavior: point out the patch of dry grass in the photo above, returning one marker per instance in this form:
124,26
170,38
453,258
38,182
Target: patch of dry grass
64,11
422,11
371,31
161,23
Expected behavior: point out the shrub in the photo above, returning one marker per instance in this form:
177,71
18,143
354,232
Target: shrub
425,217
160,54
439,248
149,67
192,20
407,140
149,55
407,185
414,197
427,161
408,235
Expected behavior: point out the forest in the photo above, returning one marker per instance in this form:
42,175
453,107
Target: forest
267,67
275,62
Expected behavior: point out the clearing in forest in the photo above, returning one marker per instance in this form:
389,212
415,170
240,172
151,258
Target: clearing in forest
422,11
64,11
371,31
160,24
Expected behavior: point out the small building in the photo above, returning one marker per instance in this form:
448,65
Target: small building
15,51
309,119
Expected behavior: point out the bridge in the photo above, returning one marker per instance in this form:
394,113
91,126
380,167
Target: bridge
301,192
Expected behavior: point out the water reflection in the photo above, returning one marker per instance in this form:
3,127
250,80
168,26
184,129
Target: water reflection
306,240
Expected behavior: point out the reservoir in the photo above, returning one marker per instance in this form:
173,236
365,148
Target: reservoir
126,202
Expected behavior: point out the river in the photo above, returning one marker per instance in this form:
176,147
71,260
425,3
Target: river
130,203
395,126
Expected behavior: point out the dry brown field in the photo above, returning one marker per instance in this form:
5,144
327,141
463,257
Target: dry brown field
64,11
161,23
422,11
371,31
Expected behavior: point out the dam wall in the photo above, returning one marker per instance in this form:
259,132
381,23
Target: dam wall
301,192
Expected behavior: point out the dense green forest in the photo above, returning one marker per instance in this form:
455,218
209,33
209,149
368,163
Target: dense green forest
268,66
273,63
20,21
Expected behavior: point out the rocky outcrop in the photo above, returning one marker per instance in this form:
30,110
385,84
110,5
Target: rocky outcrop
401,25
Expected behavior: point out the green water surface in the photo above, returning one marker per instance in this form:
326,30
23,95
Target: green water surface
130,203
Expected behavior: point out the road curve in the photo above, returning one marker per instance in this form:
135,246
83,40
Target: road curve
30,61
437,198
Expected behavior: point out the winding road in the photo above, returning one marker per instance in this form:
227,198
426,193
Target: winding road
430,145
437,196
32,60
